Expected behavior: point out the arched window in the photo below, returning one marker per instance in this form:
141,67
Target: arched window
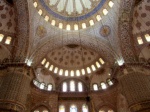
110,111
147,36
40,12
80,87
60,25
41,109
88,70
101,61
53,22
72,73
101,111
64,88
111,4
43,61
51,67
61,108
83,72
49,87
103,85
36,111
47,64
84,108
140,41
95,87
98,65
105,11
60,71
36,83
68,27
56,70
42,85
109,82
77,73
98,17
72,85
66,73
35,4
91,22
76,27
73,108
8,40
46,18
93,67
83,25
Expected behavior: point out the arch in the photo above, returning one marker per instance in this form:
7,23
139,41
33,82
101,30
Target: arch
51,43
43,76
38,105
121,100
105,107
73,108
85,108
61,108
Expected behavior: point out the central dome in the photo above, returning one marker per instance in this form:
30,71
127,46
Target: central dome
72,14
72,7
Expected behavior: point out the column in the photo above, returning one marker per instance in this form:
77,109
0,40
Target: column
135,86
13,91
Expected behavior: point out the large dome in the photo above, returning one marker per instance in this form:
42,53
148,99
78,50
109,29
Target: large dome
72,8
72,14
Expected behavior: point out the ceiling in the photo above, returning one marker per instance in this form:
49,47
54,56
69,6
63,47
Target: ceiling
72,39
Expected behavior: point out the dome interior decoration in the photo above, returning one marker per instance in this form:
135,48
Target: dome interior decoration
72,14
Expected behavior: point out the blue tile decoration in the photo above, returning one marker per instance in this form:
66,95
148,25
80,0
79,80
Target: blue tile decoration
79,18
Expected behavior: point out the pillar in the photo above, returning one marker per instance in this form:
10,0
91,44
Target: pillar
13,91
135,87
